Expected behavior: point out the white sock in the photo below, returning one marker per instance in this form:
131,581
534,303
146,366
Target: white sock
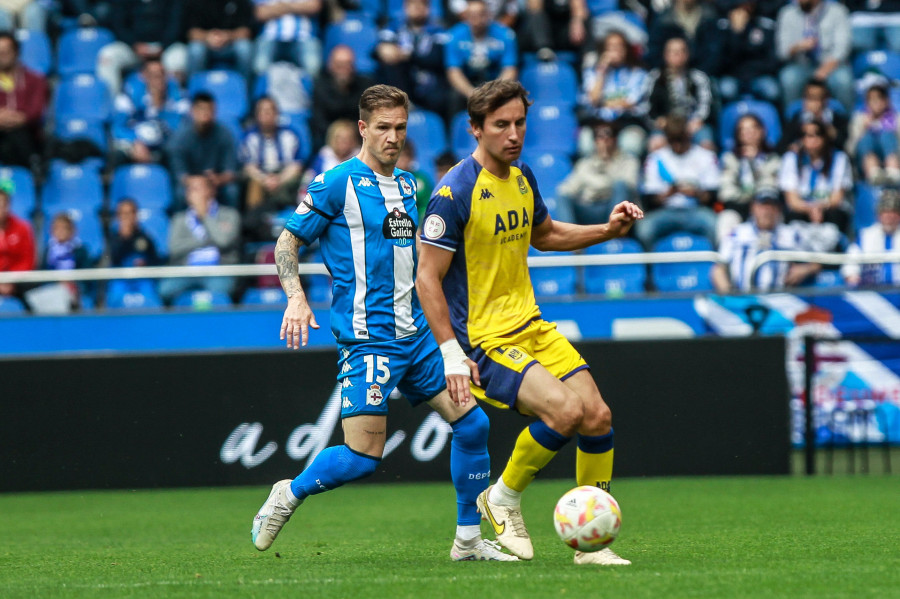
468,533
502,495
291,498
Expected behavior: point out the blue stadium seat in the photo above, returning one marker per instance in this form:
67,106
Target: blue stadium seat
616,279
358,33
87,223
201,299
682,276
426,130
77,190
885,61
865,201
77,50
132,294
148,184
264,296
228,88
70,129
35,51
766,112
299,123
82,97
551,83
156,224
24,198
549,170
11,305
550,281
395,16
552,128
318,287
828,279
461,141
305,82
599,7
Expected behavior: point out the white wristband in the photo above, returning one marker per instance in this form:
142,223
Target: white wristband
454,358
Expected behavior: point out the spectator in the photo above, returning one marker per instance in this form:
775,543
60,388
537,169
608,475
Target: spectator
411,57
65,251
424,183
882,236
677,90
144,30
680,180
480,49
17,250
23,97
612,84
873,135
443,162
341,143
816,179
816,105
748,60
600,181
813,39
86,13
748,168
875,24
549,25
288,30
129,245
24,14
505,12
202,146
272,160
696,23
142,126
206,234
763,232
219,31
336,93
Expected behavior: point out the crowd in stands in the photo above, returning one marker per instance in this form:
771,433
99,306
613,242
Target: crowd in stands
152,132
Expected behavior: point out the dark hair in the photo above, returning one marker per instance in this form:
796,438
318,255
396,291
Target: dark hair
127,200
12,38
827,148
201,97
676,128
631,55
763,145
816,82
490,96
381,96
264,98
445,159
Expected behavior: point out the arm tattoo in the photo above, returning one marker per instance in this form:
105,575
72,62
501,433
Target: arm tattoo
287,263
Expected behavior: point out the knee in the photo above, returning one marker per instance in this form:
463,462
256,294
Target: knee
471,431
597,418
568,416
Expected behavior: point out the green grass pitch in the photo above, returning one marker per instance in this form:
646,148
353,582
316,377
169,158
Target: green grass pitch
688,537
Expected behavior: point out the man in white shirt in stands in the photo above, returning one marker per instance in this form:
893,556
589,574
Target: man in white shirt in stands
882,236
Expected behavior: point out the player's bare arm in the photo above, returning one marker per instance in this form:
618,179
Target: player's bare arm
554,235
298,316
433,265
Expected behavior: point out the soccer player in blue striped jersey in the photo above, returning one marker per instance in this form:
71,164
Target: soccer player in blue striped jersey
363,212
476,292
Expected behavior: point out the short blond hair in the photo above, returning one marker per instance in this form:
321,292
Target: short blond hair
381,96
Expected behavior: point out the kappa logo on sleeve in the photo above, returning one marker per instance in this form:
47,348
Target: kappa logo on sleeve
445,192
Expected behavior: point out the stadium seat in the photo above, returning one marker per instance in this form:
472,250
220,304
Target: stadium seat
78,49
71,129
599,7
132,294
552,128
682,276
24,198
156,225
267,296
299,123
550,281
549,170
865,200
358,33
35,51
828,279
87,224
394,14
148,184
228,88
78,190
616,279
11,305
551,83
201,299
318,287
766,112
301,95
82,97
461,141
884,61
426,130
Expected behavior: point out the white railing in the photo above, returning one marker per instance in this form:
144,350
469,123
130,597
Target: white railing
821,258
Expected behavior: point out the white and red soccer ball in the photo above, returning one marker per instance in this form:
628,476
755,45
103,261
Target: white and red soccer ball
587,518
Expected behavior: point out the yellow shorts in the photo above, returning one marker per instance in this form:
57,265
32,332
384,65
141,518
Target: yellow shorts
503,361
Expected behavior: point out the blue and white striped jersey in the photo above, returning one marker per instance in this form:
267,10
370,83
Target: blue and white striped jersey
366,225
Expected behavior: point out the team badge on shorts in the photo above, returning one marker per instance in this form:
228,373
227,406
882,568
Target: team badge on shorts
374,396
399,228
515,355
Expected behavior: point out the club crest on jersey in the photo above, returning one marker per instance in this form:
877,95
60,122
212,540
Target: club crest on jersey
405,186
445,192
374,397
305,205
399,228
520,179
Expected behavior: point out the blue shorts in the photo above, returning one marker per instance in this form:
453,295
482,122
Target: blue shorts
369,372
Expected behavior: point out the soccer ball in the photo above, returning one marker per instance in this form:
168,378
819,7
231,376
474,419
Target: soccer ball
587,518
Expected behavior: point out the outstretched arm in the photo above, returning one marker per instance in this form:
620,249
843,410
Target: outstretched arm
298,316
554,235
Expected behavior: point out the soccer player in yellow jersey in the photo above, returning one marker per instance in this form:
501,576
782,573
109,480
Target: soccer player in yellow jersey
474,286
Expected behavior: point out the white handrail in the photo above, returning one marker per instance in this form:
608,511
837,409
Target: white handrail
821,258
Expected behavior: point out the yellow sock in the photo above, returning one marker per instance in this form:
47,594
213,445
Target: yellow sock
534,449
594,460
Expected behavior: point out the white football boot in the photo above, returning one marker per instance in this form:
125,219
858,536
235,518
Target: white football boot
483,550
604,557
508,525
272,516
